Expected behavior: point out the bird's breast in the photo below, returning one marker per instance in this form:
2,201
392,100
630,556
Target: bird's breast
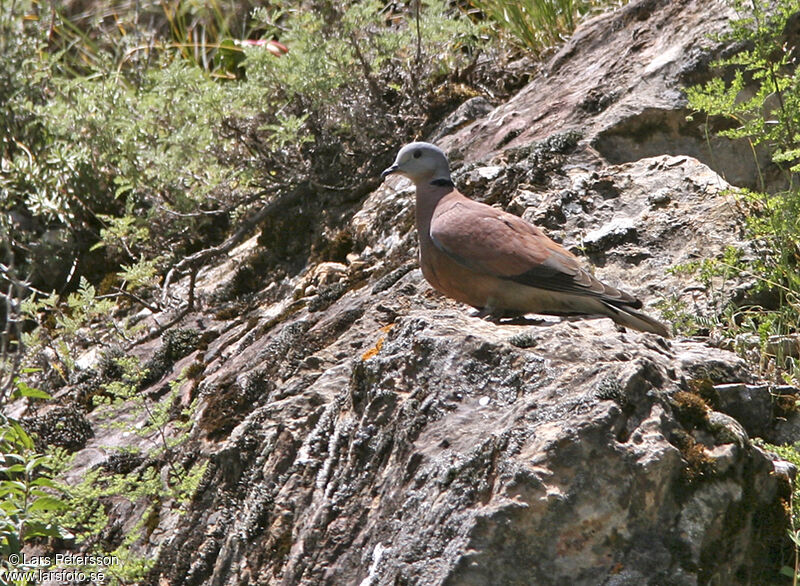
455,280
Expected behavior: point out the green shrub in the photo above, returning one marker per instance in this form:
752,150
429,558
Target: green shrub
757,91
123,158
27,496
158,155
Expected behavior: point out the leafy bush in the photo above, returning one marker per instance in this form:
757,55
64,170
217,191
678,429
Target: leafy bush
790,454
757,92
41,184
27,495
130,477
124,158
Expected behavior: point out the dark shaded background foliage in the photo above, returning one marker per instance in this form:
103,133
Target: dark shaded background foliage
385,85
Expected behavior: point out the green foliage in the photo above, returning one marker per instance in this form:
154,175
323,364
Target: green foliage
28,495
142,274
69,324
196,28
24,390
91,500
188,483
126,150
790,453
126,386
539,25
676,312
24,85
718,276
157,415
757,91
125,233
380,71
140,483
153,136
768,112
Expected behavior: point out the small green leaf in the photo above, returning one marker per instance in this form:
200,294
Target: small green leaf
23,390
44,481
13,543
229,57
11,487
48,503
39,529
21,436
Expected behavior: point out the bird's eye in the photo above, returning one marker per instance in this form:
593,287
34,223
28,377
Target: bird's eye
417,154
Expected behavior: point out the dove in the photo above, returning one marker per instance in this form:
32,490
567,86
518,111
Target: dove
497,262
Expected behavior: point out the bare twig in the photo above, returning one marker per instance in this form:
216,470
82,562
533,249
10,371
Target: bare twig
10,358
192,281
123,293
7,273
203,256
419,34
374,88
197,214
162,328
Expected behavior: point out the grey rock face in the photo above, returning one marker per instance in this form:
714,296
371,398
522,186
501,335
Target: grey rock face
452,456
619,80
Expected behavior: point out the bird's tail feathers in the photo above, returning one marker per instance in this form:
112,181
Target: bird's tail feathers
630,318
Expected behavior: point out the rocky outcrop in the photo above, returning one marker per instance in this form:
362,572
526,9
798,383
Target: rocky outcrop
361,429
398,440
619,80
468,453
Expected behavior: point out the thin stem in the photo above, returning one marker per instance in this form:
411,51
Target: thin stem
374,88
419,34
192,281
794,540
162,435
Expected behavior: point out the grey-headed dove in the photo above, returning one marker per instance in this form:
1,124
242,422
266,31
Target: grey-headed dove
496,261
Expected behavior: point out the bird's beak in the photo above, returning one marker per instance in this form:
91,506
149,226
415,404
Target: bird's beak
388,171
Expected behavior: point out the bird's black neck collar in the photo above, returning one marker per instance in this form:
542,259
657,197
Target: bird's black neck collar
442,183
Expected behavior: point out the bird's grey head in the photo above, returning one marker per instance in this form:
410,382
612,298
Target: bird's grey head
421,162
